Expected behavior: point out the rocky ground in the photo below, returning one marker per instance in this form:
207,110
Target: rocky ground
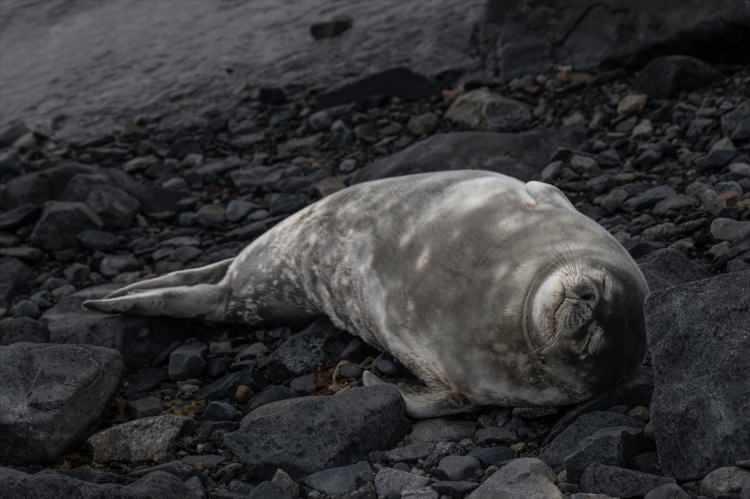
101,406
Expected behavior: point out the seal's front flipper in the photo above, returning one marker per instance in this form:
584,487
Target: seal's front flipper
205,301
424,401
208,274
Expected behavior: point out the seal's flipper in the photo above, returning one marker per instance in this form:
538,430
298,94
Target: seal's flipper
208,274
205,301
424,401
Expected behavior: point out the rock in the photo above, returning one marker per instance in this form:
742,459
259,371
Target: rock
221,411
725,482
52,485
22,329
521,155
18,217
40,187
669,267
51,396
396,82
482,109
211,215
632,104
458,467
282,479
187,361
139,339
420,493
736,123
308,434
60,224
440,429
699,382
490,456
667,491
619,482
14,278
613,446
649,198
571,439
411,452
726,229
317,347
341,480
421,125
145,407
390,482
721,154
147,439
11,132
114,265
269,489
585,34
332,28
665,77
524,478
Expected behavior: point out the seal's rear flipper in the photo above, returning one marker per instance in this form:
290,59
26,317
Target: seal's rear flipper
208,274
205,301
423,401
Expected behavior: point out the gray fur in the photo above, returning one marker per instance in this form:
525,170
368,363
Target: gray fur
491,290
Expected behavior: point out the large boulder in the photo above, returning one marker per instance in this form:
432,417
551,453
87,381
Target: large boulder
700,350
309,434
529,37
51,395
669,267
521,155
53,485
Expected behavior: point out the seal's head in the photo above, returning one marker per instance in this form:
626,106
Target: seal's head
584,324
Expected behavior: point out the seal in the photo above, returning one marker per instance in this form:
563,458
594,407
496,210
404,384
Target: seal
490,290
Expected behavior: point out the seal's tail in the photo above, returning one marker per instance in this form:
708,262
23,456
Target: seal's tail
187,293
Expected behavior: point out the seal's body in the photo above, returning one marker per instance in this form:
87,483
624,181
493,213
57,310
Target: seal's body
491,290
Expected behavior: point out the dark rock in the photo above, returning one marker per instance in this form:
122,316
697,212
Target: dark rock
341,480
140,340
11,132
318,346
98,240
522,478
736,123
585,34
53,485
267,490
698,343
187,361
221,411
18,217
619,482
51,396
521,155
22,329
483,110
458,467
613,446
332,28
570,440
224,388
669,267
665,77
411,452
14,278
390,482
490,456
667,491
440,429
39,187
271,95
725,482
397,82
60,224
115,207
307,434
145,407
146,439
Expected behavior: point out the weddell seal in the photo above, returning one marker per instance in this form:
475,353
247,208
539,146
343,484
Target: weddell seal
490,290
